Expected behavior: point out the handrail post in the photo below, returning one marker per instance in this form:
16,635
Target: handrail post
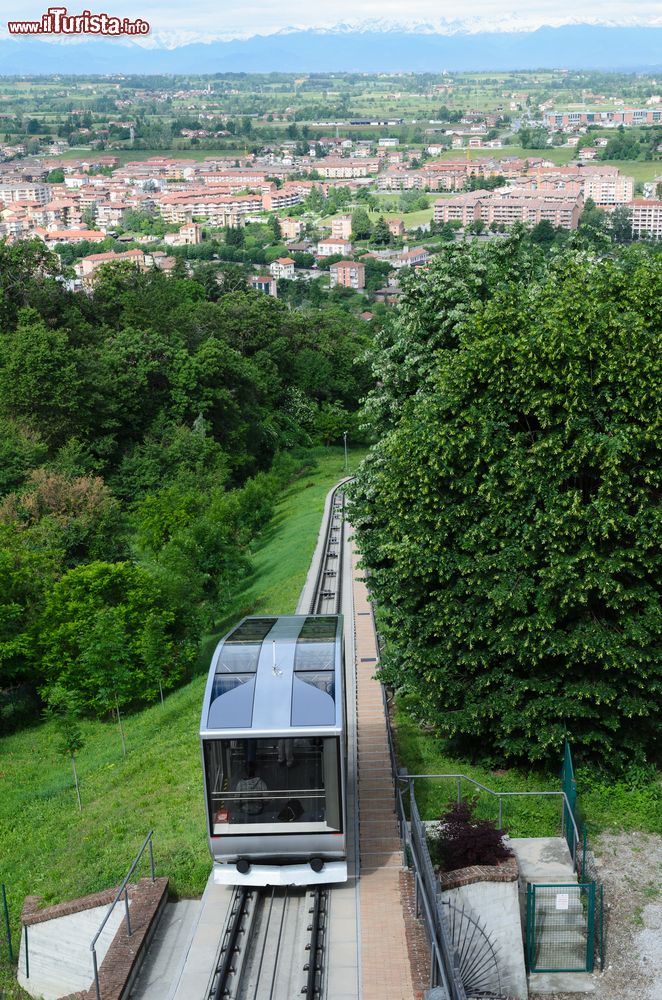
151,857
459,790
97,986
126,907
27,954
500,812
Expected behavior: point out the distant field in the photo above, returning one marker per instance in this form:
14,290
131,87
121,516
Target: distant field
410,219
556,154
51,849
641,170
125,155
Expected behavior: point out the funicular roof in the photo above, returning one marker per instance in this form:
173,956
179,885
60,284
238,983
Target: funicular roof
270,674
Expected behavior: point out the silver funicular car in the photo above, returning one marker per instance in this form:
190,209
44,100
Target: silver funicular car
274,752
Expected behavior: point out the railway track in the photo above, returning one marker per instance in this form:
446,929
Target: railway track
272,945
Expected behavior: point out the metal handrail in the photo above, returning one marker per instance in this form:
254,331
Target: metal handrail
499,795
122,889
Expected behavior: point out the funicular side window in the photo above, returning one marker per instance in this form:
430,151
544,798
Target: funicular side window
273,785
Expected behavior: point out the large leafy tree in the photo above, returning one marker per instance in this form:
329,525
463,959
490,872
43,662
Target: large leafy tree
510,521
435,305
92,635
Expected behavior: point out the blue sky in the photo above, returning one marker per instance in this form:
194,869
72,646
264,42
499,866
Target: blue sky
176,23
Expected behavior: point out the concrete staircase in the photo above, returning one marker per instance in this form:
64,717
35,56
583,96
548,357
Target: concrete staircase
560,934
55,959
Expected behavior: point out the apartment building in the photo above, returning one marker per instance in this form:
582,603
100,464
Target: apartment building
629,116
464,208
349,273
506,206
646,218
39,193
341,227
206,204
331,167
609,189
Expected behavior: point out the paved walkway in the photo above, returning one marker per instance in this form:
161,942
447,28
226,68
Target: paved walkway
386,971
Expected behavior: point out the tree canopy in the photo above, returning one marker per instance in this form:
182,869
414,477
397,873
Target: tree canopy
509,516
142,431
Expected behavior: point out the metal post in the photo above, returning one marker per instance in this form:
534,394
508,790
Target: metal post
602,927
590,936
344,435
459,789
7,927
27,956
500,813
151,858
126,907
96,973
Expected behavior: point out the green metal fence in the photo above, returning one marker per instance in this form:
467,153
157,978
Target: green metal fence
570,803
560,927
585,865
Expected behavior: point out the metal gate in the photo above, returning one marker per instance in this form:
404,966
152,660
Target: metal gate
560,927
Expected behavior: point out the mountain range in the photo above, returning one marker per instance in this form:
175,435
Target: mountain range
351,49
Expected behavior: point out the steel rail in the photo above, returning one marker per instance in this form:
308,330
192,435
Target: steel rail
315,947
229,947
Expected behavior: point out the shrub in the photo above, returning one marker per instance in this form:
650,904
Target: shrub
463,840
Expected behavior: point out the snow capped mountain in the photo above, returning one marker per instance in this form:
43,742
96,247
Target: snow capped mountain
503,24
365,46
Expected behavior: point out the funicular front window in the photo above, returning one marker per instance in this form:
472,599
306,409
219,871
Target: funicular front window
273,785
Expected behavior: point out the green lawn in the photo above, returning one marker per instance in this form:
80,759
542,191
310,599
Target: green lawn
126,155
51,849
411,219
556,154
641,170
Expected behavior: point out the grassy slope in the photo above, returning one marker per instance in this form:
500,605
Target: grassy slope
52,850
632,804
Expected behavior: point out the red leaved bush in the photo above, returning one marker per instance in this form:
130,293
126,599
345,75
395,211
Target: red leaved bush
463,840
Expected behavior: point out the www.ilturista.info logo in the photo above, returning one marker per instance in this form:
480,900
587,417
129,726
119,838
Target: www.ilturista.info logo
56,21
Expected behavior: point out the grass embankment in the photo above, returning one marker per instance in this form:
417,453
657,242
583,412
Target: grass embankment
632,803
51,849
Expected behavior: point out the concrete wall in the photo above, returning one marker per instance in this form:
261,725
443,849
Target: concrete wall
59,952
496,906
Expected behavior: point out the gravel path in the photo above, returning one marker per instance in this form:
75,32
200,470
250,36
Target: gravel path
630,866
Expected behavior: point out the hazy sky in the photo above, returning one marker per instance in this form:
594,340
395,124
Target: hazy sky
175,22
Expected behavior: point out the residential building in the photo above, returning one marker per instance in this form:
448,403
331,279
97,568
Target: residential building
332,246
39,193
629,116
396,227
283,267
291,228
341,227
86,266
264,283
646,218
411,258
349,273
